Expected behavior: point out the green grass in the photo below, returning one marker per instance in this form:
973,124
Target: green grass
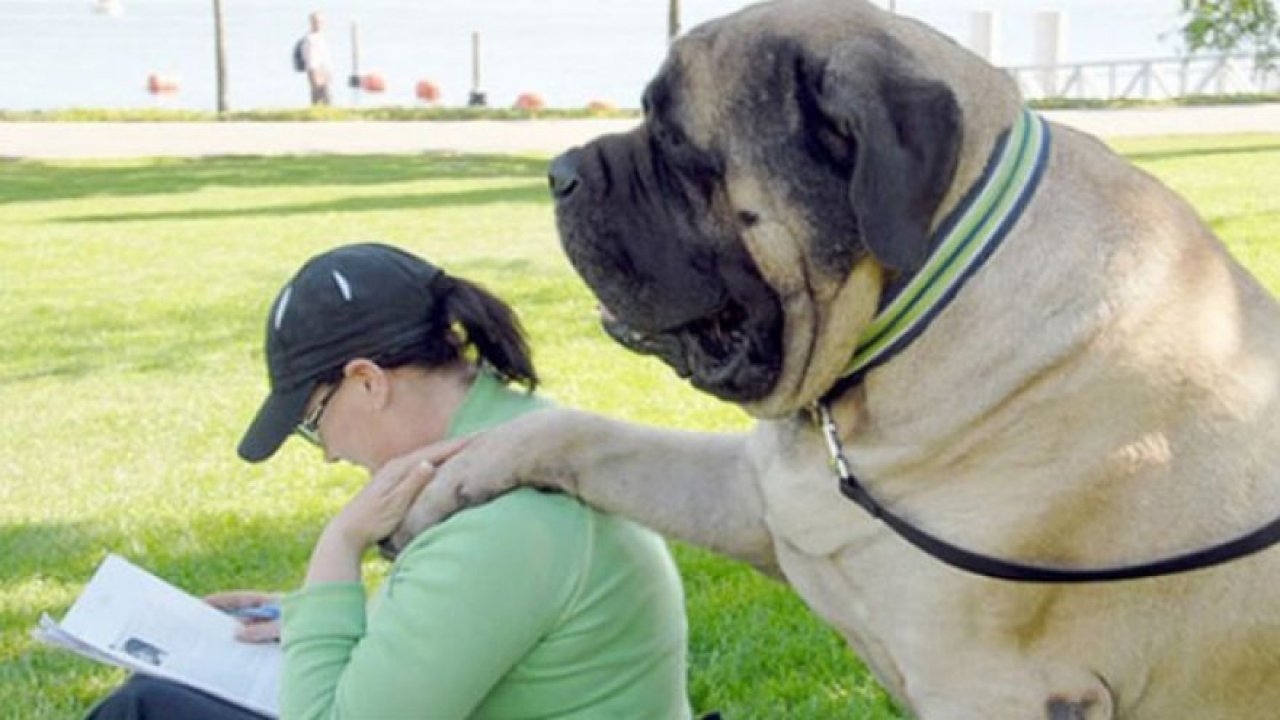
131,305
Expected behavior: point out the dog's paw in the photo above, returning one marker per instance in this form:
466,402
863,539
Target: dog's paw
440,499
457,486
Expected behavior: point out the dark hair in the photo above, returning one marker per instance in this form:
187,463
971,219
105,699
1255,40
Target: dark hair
466,316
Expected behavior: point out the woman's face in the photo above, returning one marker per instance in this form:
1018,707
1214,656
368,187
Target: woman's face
335,412
374,414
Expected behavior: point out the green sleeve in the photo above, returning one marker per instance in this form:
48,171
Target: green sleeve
464,602
321,626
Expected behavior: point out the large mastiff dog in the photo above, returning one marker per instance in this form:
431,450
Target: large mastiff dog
1087,380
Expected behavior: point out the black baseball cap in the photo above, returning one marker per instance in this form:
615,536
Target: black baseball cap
352,301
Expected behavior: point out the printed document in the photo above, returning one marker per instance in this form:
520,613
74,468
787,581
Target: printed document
128,617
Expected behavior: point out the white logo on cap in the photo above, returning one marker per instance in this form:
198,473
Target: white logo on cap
343,286
281,304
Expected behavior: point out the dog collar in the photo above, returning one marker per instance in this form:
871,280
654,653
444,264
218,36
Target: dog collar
964,241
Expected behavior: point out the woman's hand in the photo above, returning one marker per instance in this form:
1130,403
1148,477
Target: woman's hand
380,507
375,512
251,629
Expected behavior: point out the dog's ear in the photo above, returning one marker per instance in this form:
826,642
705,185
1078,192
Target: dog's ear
904,135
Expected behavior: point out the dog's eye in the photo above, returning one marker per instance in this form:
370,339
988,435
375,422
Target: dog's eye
673,150
668,136
834,146
748,218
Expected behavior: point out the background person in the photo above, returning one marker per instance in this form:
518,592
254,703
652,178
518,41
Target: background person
318,61
532,605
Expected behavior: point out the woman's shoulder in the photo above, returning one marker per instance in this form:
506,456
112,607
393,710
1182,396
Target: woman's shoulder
511,518
516,521
531,505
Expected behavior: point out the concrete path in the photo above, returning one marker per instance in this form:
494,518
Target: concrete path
117,140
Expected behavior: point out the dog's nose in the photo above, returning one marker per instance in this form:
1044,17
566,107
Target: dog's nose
563,174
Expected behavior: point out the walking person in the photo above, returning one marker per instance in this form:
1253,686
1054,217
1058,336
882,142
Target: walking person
533,605
317,61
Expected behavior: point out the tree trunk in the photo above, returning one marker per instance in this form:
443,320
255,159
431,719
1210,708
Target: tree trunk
673,19
220,56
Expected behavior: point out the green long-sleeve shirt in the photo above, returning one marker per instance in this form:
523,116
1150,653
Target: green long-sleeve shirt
531,606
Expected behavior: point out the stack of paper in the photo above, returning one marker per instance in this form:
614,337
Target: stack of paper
128,617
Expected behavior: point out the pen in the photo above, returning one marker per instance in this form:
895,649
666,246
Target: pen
266,611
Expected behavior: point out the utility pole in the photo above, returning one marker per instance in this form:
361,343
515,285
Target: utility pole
220,56
673,19
354,80
477,98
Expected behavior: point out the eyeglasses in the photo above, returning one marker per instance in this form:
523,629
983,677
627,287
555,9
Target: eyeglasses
309,428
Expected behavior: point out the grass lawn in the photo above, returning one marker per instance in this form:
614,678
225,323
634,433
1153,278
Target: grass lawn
131,303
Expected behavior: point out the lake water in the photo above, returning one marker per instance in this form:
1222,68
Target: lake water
59,53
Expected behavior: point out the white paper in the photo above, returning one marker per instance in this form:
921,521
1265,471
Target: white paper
128,617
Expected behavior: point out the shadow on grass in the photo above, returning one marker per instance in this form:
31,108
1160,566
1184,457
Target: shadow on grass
62,552
752,637
524,193
263,552
31,180
257,551
50,343
76,345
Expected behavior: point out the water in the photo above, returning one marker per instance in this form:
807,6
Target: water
59,53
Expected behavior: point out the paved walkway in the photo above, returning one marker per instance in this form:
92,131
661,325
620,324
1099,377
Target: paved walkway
116,140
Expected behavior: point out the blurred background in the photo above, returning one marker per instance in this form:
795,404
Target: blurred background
57,54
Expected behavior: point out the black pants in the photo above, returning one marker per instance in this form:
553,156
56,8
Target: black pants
320,94
148,698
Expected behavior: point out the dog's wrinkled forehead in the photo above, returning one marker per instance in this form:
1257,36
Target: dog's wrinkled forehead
741,98
710,78
682,97
831,104
739,70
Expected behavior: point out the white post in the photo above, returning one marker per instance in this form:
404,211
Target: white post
354,80
477,98
1049,34
984,35
475,61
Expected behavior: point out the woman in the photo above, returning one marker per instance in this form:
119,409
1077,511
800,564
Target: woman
532,605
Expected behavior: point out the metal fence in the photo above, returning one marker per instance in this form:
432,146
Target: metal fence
1148,79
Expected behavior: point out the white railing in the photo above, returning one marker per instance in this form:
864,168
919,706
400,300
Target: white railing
1148,79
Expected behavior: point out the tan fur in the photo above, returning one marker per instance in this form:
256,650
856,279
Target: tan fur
1138,419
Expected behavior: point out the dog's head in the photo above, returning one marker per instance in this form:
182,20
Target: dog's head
791,163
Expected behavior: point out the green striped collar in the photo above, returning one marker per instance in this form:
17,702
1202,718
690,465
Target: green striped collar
967,238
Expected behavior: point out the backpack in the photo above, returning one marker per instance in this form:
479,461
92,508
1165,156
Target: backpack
300,55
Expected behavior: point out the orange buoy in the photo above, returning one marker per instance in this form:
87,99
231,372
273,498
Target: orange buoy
373,83
428,91
158,84
530,102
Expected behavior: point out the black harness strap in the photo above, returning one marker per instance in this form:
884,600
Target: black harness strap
987,566
991,567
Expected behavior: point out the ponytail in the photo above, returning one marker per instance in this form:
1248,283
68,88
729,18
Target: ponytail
491,326
464,315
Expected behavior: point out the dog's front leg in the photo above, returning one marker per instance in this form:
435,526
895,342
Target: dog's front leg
695,487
